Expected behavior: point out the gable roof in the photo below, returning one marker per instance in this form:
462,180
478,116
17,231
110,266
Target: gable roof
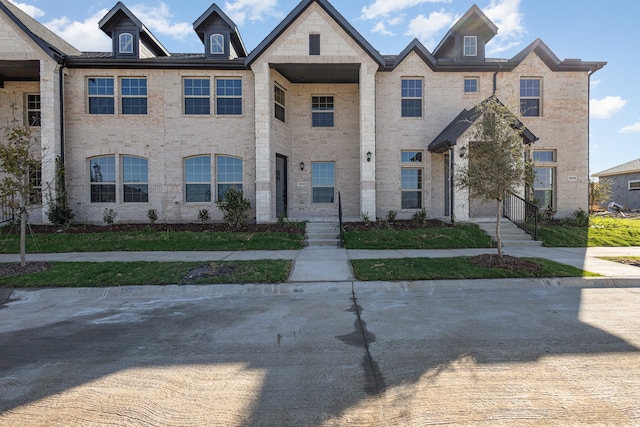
630,167
49,42
473,21
235,34
553,62
331,11
463,121
116,14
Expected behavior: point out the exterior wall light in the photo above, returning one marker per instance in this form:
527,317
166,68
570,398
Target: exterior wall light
368,156
463,152
301,166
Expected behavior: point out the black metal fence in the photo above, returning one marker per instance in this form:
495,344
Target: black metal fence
6,212
522,213
340,220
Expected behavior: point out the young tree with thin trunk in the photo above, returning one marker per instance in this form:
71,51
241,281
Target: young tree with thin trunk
496,158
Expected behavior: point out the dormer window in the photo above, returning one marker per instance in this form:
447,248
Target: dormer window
470,46
217,44
125,43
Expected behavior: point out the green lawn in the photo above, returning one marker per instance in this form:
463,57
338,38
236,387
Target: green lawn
98,274
152,241
601,231
451,269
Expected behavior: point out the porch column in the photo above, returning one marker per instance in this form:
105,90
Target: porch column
263,143
50,131
368,139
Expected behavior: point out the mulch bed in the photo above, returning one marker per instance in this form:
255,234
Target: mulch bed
15,269
397,225
507,262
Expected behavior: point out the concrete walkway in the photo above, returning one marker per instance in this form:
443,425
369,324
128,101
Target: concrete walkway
333,264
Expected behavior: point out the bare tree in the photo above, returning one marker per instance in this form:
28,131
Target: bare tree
599,192
496,161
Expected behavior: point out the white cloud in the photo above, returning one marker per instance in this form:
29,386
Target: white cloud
595,83
634,128
159,20
29,9
507,17
254,10
426,27
381,28
383,8
606,107
84,35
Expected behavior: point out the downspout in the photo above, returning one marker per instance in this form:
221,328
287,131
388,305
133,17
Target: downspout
452,184
61,89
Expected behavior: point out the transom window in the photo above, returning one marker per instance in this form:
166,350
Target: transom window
197,96
197,176
411,188
470,85
411,157
323,181
470,46
544,156
530,97
279,103
411,97
33,109
101,95
102,172
134,95
217,44
125,43
135,179
322,109
228,96
229,174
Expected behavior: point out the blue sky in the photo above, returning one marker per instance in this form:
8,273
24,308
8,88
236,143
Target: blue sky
589,30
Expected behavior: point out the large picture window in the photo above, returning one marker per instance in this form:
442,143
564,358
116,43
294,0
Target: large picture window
197,96
229,97
197,176
411,97
323,181
135,179
134,95
322,109
530,97
101,95
229,174
103,179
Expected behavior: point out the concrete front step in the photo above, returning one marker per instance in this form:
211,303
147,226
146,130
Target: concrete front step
510,234
322,234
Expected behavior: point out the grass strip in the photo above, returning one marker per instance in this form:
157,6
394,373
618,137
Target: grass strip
601,232
453,268
460,236
152,241
102,274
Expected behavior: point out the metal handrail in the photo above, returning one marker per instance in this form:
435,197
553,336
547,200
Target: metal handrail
340,220
522,213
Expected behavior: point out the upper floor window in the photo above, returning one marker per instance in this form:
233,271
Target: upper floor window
217,44
101,95
197,177
197,96
279,103
135,179
530,97
33,109
125,44
470,46
134,95
470,85
229,174
411,97
229,97
102,172
322,109
314,44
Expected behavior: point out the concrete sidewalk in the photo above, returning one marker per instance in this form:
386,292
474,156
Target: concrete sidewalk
333,264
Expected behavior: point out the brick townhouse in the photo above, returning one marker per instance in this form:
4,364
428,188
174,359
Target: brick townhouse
314,110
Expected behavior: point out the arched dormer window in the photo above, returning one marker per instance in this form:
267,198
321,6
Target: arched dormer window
217,44
125,43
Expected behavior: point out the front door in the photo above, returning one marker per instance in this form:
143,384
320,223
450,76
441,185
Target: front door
281,185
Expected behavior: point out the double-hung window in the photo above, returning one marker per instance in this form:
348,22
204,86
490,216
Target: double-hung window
323,181
470,85
134,95
197,176
279,103
411,177
411,97
35,180
470,46
135,179
229,97
322,109
103,179
229,174
544,166
33,109
530,105
197,96
101,95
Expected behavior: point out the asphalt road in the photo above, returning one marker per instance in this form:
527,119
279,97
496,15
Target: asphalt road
320,354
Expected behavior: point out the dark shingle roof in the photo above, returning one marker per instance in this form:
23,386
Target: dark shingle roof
629,167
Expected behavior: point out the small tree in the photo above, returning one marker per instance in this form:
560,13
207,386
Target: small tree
497,163
599,192
234,207
18,163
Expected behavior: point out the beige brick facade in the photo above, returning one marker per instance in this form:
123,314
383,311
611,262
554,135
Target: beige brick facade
364,145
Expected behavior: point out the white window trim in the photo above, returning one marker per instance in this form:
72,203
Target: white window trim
464,86
123,96
215,97
421,98
121,41
474,47
283,104
631,184
28,110
211,44
539,97
332,111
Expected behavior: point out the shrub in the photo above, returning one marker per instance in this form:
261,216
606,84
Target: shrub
60,214
203,215
234,207
365,218
391,216
548,213
581,217
109,216
420,217
152,214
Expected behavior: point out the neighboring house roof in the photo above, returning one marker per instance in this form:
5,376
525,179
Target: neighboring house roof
201,22
630,167
296,12
115,14
49,42
463,121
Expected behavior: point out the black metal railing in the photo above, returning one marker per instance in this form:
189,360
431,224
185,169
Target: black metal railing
340,220
522,213
6,212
